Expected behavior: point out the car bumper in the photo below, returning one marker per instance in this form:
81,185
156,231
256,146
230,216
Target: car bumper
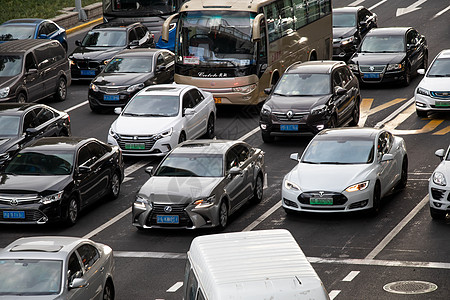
310,126
426,103
385,77
87,73
33,213
439,196
97,99
159,147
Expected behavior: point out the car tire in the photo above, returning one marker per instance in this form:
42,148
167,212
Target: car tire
421,113
355,115
223,216
182,137
407,77
108,291
114,187
22,97
267,138
61,90
210,127
404,174
258,190
376,200
437,214
72,212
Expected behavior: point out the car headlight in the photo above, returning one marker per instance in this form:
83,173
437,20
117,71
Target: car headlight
71,62
135,87
52,198
266,110
166,133
291,186
112,133
106,61
142,202
358,187
245,89
204,202
353,67
345,41
337,40
422,91
4,92
439,178
319,110
392,67
94,87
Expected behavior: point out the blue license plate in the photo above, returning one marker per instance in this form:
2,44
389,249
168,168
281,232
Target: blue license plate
288,127
88,72
111,97
167,219
371,75
13,215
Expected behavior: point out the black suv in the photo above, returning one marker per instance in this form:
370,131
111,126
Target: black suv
104,41
309,97
31,70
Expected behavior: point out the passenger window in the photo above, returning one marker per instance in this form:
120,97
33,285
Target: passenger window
74,267
337,81
84,156
344,77
56,51
43,115
384,143
313,10
188,101
29,120
30,63
325,7
89,255
96,150
196,96
286,14
160,60
43,57
273,21
242,153
51,28
43,29
140,33
133,36
231,159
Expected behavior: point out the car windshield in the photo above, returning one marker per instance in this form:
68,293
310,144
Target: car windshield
383,44
30,277
303,85
16,32
344,20
105,38
10,65
440,68
153,106
129,65
191,165
41,163
9,125
341,151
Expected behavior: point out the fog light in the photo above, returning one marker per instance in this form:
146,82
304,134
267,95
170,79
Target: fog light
263,126
420,104
320,127
290,203
437,204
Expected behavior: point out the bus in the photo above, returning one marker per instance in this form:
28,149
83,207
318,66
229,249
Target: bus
238,49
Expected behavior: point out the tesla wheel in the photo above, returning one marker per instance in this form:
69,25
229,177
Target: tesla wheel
404,175
61,90
114,188
258,190
223,216
182,137
72,212
355,115
267,138
22,98
407,77
437,214
421,113
210,127
376,200
108,291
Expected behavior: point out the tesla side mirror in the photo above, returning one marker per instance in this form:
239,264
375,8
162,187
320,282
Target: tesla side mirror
235,171
118,110
189,111
31,71
440,153
134,43
421,71
340,91
84,169
78,283
78,42
387,157
31,131
267,91
149,170
294,156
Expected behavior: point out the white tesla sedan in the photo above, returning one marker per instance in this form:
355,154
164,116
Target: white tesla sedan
439,186
346,169
159,117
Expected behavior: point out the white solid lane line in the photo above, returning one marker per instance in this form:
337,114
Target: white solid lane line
395,113
351,276
246,136
378,4
76,106
356,3
263,217
441,12
107,224
333,294
175,287
135,254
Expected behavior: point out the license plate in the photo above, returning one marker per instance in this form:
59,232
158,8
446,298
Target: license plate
371,75
167,219
13,215
111,97
442,104
217,100
135,146
321,201
88,72
288,127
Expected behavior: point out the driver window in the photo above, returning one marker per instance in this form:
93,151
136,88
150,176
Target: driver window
160,60
74,266
383,143
96,151
188,101
133,36
231,159
28,120
30,63
337,81
84,156
242,153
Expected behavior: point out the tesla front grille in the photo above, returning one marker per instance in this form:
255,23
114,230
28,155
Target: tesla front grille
372,68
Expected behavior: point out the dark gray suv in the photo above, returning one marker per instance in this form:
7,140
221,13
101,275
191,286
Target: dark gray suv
309,97
31,70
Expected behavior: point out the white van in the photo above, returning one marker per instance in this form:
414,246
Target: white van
254,265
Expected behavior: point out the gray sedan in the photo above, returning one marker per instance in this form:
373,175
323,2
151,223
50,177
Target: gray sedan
55,267
199,184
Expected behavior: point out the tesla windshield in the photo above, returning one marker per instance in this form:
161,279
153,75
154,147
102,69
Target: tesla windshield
440,68
153,106
191,165
303,85
41,163
383,44
344,20
129,65
339,152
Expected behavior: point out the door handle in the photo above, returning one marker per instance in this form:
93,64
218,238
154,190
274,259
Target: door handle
102,269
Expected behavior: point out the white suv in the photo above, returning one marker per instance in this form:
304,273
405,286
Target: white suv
159,117
433,92
439,186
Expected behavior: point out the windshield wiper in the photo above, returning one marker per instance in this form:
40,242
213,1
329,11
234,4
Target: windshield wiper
310,162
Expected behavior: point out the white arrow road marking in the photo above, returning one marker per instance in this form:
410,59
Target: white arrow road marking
333,294
441,12
411,8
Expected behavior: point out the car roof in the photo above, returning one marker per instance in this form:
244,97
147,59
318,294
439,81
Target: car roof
348,133
22,46
57,143
138,52
205,146
115,26
16,108
317,66
389,31
164,89
33,21
55,247
444,54
347,9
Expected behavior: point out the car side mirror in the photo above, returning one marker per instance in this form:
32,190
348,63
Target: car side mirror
340,91
235,171
267,91
31,131
42,36
440,153
149,170
84,169
31,71
294,156
118,110
78,42
387,157
409,46
160,68
421,71
134,43
189,111
77,283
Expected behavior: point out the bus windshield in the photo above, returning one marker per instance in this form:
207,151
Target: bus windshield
219,39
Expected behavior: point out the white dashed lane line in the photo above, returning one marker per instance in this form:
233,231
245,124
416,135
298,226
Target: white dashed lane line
175,287
351,276
333,294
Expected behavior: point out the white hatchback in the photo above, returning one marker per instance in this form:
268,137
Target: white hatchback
433,91
159,117
439,186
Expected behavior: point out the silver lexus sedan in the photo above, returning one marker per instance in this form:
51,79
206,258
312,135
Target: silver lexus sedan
56,268
199,184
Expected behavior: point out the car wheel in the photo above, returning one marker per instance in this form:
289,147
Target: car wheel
267,138
355,115
376,200
437,214
182,137
258,190
108,291
22,98
210,127
72,212
407,77
223,216
114,188
421,113
404,175
61,91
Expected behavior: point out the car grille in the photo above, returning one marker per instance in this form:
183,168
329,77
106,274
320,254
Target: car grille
148,141
376,68
30,216
85,64
440,95
437,194
112,90
282,116
338,198
177,210
15,200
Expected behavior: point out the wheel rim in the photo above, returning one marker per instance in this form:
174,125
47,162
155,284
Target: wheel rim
115,186
62,89
223,215
21,98
404,173
259,188
73,210
211,127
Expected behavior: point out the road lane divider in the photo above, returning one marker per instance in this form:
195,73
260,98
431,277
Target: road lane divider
77,106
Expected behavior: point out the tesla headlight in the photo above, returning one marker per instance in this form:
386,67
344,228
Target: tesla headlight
392,67
358,187
4,92
142,202
135,87
353,67
266,110
422,91
94,87
291,186
439,179
204,202
345,41
166,133
52,198
245,89
319,110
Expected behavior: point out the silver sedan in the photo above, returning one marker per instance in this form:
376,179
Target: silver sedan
199,184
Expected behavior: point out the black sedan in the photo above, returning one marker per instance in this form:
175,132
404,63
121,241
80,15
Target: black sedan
127,73
350,25
21,124
390,54
54,178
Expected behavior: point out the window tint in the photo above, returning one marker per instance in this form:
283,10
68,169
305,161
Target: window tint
74,267
96,150
344,76
43,29
384,142
160,60
313,10
273,21
51,28
132,36
30,62
29,120
43,115
242,153
43,56
56,52
140,32
188,102
232,159
337,81
89,255
196,95
325,7
301,13
168,57
84,156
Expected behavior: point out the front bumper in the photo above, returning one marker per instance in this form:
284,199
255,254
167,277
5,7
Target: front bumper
34,213
97,99
427,103
379,77
304,124
152,147
85,69
439,196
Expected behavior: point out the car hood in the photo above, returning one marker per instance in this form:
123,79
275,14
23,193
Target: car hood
343,32
6,143
333,178
121,79
435,83
8,81
125,125
32,184
95,53
296,103
178,190
378,58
